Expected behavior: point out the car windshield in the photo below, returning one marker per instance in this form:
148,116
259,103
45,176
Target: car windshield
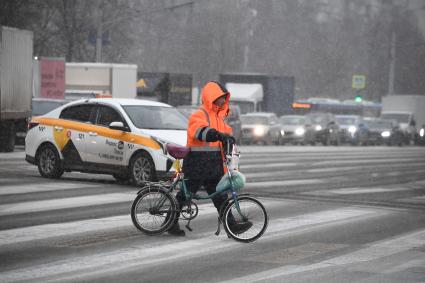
245,107
379,124
254,120
43,107
346,120
292,120
399,117
317,119
156,117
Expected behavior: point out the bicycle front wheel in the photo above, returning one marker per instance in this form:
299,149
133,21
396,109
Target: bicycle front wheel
250,223
153,211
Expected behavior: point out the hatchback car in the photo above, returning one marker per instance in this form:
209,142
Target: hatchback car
261,127
122,137
297,128
352,129
325,128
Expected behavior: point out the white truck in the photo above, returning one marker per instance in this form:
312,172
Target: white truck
408,111
16,63
249,97
85,80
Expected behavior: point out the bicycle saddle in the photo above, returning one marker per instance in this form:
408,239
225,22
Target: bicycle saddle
177,151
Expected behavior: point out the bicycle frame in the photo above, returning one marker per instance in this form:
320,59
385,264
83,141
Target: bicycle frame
179,179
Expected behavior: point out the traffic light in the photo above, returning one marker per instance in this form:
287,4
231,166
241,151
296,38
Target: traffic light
358,98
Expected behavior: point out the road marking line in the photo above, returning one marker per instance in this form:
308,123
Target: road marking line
144,256
268,184
267,165
62,203
354,191
45,231
374,251
44,187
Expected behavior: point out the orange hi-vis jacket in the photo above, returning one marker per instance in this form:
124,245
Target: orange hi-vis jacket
205,161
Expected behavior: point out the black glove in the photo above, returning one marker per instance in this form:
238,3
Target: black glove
225,138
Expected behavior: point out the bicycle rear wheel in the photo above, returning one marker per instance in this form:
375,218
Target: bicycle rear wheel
153,211
253,212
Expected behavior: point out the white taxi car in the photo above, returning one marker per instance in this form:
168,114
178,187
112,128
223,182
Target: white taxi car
122,137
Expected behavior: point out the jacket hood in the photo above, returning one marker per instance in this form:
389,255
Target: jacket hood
211,91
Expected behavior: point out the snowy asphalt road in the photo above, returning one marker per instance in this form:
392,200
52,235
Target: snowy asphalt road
337,214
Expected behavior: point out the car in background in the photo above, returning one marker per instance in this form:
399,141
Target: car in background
406,123
41,106
420,137
297,129
261,127
382,131
234,121
187,110
125,138
325,128
352,129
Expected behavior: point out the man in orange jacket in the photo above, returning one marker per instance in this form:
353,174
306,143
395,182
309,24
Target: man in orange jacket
206,134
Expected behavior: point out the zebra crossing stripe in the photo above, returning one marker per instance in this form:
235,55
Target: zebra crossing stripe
48,231
372,252
143,256
73,202
281,183
44,187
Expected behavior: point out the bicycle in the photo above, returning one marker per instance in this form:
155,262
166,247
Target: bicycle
155,208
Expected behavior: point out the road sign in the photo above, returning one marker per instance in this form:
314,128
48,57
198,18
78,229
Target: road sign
359,82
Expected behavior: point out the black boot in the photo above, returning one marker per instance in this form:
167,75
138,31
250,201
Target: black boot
176,231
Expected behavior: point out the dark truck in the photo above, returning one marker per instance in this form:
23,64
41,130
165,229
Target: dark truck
171,88
260,92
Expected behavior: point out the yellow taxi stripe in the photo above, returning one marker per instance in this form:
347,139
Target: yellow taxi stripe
102,131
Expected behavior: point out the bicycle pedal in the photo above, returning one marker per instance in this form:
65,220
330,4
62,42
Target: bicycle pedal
188,228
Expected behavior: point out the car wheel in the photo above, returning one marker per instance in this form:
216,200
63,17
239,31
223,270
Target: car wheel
49,163
142,169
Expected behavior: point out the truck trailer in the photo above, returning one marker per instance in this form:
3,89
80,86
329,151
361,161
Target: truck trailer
86,80
171,88
260,92
16,68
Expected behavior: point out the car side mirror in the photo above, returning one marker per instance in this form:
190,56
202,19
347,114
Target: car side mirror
118,126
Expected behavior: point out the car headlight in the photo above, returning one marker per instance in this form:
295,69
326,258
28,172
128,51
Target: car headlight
282,132
352,129
260,131
385,134
422,132
299,131
318,128
161,143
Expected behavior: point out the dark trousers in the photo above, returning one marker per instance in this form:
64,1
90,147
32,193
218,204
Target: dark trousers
193,186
